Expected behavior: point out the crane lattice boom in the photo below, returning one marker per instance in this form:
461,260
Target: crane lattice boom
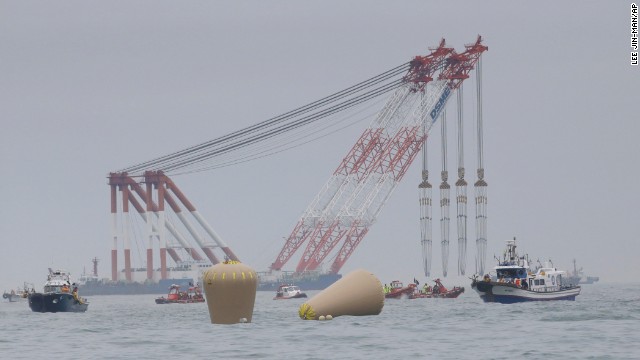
349,203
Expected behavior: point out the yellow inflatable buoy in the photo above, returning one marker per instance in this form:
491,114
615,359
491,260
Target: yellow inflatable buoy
357,293
230,289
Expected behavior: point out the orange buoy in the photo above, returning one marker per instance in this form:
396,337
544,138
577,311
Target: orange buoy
357,293
230,288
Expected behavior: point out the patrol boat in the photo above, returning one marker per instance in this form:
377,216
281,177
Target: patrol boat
516,283
57,295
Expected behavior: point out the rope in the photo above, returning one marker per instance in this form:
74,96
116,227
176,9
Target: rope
240,143
176,159
270,150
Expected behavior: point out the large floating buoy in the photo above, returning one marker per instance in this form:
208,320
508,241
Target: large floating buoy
357,293
230,288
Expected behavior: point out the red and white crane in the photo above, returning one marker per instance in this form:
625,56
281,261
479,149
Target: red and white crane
341,214
153,214
348,204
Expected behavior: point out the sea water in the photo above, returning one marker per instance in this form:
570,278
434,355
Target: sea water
603,323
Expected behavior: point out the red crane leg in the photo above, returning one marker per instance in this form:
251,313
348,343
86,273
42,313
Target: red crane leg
318,238
298,236
355,236
323,251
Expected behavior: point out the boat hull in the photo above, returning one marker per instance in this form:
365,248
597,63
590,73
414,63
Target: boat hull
162,300
296,296
405,292
450,294
93,288
508,293
55,302
320,282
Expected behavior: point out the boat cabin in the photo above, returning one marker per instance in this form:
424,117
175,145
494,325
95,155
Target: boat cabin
510,273
288,290
546,279
512,268
174,292
58,281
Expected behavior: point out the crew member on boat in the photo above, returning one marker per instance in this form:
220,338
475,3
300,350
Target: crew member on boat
65,288
436,289
75,295
426,288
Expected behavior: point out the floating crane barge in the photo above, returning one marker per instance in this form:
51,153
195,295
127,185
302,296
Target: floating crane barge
342,213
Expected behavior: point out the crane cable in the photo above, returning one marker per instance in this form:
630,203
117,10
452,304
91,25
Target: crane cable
230,137
268,150
278,119
190,159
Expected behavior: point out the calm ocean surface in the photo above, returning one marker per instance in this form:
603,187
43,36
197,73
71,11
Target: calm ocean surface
603,323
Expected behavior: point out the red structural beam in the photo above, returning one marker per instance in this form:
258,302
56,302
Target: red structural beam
297,237
400,152
459,65
353,238
423,68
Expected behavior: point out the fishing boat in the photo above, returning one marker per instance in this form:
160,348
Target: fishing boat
176,296
515,282
397,290
289,292
12,296
438,291
57,295
15,295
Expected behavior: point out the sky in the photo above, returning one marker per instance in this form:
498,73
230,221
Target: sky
87,88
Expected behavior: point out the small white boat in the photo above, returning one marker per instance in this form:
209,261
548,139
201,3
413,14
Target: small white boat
18,294
289,292
12,296
516,283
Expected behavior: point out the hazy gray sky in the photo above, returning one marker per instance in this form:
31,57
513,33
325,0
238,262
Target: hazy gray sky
91,87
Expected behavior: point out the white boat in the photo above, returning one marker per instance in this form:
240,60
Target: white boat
12,296
516,283
19,293
289,292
